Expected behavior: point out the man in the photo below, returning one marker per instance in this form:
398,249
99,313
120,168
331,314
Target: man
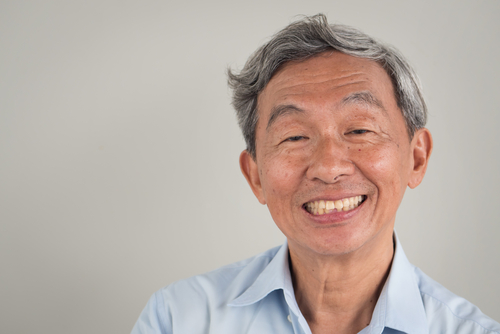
334,126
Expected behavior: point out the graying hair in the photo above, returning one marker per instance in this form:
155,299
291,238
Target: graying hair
309,37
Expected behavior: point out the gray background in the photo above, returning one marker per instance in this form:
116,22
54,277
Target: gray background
119,149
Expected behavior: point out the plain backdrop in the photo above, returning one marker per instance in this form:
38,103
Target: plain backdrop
119,149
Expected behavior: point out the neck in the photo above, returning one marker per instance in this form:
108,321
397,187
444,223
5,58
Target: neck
340,291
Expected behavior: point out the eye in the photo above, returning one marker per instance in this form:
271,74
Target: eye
359,131
295,138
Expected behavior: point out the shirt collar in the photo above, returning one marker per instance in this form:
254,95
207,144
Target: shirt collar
399,306
275,276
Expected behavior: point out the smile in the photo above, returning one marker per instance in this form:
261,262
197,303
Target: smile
323,207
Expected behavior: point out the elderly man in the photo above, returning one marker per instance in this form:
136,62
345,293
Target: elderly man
334,127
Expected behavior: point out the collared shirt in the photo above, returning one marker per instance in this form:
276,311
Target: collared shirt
255,296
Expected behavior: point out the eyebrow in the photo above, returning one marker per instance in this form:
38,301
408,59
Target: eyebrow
281,110
364,98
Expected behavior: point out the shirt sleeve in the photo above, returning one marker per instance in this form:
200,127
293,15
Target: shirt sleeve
154,319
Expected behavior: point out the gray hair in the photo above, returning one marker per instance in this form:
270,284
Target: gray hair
309,37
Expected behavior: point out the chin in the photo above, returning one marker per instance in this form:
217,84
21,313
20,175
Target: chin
341,241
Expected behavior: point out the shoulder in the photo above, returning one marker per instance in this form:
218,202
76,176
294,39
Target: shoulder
220,285
449,313
199,296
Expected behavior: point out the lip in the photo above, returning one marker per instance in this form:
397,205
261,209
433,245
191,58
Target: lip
337,218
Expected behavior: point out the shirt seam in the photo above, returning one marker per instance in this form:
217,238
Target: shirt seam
457,316
161,311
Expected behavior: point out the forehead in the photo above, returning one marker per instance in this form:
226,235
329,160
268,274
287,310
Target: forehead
325,80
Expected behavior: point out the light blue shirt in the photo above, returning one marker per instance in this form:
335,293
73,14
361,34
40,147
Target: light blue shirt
255,296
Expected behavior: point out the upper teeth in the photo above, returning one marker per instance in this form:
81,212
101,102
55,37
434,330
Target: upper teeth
322,207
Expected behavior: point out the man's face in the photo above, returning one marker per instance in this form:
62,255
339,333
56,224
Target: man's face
330,132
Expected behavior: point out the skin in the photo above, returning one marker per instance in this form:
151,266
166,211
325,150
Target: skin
323,143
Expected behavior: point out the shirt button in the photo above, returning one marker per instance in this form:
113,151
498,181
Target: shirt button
289,318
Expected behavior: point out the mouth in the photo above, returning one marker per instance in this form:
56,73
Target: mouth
323,207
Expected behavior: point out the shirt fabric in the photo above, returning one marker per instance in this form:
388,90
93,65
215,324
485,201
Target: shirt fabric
255,296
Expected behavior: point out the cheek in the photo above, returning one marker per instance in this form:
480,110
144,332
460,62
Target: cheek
383,166
281,175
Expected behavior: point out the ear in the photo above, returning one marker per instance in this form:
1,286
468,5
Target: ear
421,150
250,170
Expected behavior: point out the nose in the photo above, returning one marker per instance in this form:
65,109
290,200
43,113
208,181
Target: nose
330,161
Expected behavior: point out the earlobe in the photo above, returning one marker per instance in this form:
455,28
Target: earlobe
250,170
421,150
